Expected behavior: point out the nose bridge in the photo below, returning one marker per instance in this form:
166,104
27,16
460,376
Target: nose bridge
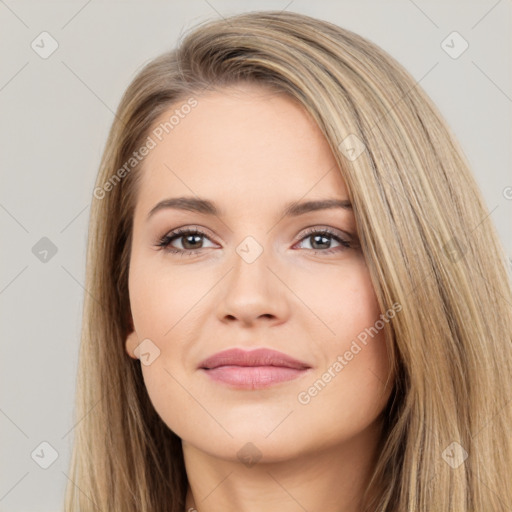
250,274
250,261
252,290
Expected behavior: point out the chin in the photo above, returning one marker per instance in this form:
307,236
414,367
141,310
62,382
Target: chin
248,449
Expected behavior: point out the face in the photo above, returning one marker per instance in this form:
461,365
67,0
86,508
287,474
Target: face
253,276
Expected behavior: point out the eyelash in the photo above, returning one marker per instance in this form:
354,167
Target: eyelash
166,240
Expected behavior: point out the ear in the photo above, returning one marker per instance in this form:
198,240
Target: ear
132,340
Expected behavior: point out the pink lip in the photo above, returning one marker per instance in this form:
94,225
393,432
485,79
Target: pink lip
255,369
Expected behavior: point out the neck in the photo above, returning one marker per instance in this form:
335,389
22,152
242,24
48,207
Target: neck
332,478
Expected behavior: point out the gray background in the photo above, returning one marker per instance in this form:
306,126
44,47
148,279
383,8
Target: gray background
55,115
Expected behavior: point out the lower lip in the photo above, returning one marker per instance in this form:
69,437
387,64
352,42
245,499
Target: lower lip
253,377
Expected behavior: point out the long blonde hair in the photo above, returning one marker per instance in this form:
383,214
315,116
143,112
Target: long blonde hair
427,239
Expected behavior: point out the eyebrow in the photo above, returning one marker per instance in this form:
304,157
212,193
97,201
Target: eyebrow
207,207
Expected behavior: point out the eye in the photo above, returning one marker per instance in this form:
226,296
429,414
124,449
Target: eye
320,238
191,241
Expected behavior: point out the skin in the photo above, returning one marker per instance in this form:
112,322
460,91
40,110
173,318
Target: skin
246,147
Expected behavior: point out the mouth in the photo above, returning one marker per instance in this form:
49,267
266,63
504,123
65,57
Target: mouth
255,369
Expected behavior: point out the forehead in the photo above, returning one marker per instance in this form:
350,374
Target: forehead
246,143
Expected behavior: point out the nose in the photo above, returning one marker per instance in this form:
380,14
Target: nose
253,293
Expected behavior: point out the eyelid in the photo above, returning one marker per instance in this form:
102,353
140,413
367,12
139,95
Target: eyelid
313,228
190,227
324,228
181,231
344,238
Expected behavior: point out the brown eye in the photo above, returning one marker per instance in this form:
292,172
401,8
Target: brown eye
191,241
320,241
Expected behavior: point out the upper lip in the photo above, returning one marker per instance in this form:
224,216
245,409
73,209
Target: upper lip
257,357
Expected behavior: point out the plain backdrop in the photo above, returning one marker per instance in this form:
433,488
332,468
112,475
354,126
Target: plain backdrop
55,116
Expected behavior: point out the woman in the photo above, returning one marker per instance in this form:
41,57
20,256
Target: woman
232,360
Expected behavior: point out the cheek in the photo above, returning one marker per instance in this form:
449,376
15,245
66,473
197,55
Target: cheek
163,299
165,304
350,385
343,299
336,307
360,339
